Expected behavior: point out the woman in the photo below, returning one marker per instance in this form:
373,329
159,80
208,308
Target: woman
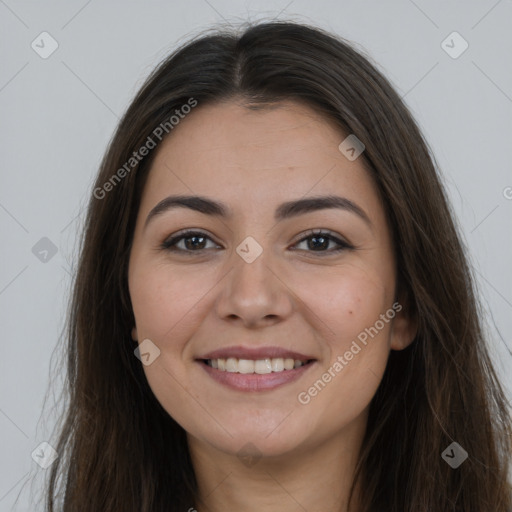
273,309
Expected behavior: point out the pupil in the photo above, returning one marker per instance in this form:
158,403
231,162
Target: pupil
191,244
315,245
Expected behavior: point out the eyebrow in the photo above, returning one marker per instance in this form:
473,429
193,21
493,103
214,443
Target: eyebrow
284,211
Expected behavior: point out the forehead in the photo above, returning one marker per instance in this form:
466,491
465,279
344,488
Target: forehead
254,157
280,135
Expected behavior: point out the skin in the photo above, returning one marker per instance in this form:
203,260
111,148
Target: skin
315,302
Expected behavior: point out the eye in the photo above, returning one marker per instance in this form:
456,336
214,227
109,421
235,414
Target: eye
197,241
194,241
319,241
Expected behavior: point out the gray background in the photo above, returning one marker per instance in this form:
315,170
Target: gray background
58,114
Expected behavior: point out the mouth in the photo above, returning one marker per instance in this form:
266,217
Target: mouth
255,369
257,366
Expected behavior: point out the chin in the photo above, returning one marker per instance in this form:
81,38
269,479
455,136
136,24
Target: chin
271,439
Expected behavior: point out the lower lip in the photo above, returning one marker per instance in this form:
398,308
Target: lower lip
255,381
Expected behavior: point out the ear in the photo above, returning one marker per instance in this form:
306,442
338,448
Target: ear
404,328
134,334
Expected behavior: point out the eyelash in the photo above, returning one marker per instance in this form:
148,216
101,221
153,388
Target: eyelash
170,244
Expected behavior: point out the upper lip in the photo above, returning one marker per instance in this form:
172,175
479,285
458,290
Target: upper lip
240,352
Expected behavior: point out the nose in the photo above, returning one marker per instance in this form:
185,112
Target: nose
254,294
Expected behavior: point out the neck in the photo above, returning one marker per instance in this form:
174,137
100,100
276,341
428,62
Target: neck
317,478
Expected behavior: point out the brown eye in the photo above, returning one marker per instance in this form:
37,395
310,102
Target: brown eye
197,241
193,241
321,240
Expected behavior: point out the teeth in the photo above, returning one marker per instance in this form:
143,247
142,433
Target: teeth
244,365
259,366
231,365
277,364
263,366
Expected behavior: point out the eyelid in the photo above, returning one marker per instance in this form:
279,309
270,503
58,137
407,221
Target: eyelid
172,240
343,245
326,232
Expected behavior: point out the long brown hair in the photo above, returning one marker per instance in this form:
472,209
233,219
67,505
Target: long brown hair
121,451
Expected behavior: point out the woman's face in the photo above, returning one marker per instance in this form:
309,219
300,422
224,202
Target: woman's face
272,273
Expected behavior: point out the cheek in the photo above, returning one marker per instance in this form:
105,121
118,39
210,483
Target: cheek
166,302
346,301
167,307
346,381
350,306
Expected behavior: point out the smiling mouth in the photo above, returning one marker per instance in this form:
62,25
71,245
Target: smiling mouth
256,366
